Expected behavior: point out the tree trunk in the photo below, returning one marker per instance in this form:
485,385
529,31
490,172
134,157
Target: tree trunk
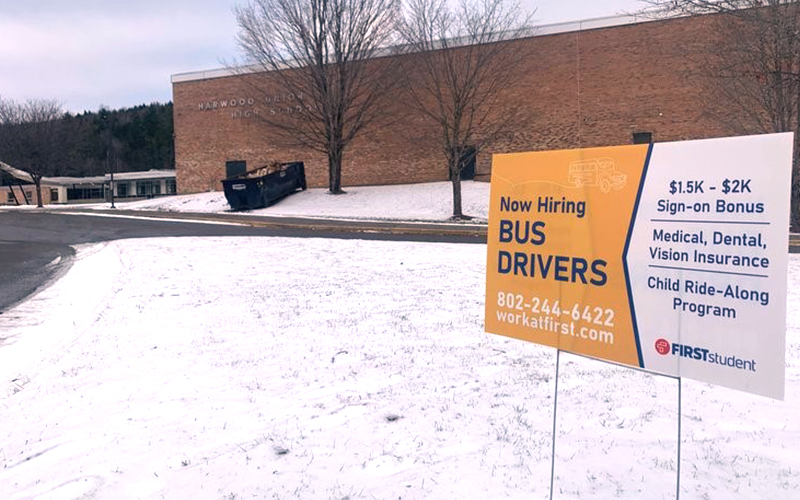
455,180
794,190
37,181
335,172
794,205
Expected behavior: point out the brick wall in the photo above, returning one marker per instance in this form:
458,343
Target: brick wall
583,88
30,192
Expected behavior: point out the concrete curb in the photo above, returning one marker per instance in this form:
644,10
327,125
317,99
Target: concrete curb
315,224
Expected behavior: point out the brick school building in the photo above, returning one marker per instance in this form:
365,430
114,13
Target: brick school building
600,82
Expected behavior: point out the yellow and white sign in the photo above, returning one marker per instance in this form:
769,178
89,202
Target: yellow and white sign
633,254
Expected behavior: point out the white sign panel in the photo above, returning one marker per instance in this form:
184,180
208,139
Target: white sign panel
707,261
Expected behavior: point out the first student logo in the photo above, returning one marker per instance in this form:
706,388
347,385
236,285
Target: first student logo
662,346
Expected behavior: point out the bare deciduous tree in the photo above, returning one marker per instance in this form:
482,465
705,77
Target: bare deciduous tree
755,69
458,65
29,137
321,52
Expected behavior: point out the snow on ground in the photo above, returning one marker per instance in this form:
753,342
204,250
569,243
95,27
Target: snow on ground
280,368
417,202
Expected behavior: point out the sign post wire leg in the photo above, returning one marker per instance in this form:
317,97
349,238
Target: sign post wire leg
678,487
555,408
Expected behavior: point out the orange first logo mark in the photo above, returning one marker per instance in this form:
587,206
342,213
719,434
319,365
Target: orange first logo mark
558,227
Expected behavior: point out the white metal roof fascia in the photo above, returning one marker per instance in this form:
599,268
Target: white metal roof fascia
15,172
97,179
68,181
144,175
101,179
546,29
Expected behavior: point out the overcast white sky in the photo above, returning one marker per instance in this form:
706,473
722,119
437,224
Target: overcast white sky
119,53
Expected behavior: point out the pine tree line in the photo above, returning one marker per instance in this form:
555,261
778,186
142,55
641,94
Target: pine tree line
95,142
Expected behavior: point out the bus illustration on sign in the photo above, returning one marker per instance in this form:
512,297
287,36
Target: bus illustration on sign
598,172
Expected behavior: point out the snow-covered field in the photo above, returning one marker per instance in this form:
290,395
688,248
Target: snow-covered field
276,368
418,202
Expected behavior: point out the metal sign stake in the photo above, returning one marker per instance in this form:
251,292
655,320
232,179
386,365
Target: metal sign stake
678,487
555,408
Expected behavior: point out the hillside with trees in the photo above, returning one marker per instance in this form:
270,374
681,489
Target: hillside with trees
92,143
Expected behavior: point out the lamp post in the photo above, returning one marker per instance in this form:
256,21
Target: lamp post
112,183
108,143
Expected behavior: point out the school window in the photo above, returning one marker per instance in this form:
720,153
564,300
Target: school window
148,188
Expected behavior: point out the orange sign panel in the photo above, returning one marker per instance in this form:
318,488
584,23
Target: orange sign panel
557,235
